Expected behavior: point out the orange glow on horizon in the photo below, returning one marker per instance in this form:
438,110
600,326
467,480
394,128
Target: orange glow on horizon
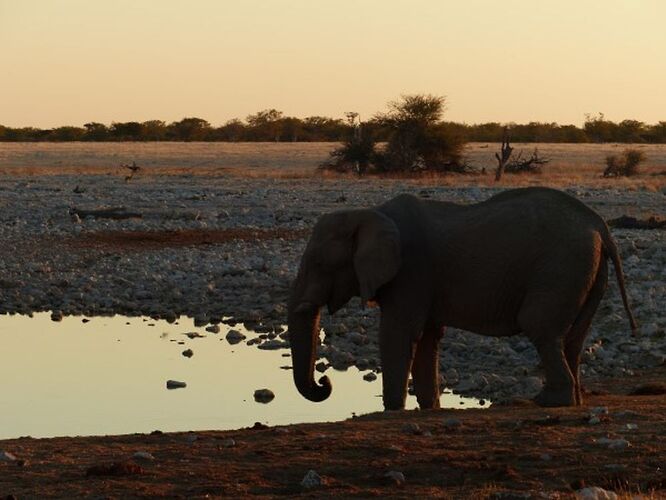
68,62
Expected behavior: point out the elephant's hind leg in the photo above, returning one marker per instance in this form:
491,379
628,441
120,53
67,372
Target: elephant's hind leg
575,338
425,368
559,387
544,319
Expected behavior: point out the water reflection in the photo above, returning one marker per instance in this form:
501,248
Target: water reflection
108,376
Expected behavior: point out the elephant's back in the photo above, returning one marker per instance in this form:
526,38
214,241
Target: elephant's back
540,198
544,210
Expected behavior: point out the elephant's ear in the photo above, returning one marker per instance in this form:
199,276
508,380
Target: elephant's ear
377,254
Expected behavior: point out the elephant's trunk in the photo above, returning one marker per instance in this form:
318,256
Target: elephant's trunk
303,322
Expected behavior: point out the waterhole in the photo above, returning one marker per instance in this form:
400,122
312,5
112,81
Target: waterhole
108,375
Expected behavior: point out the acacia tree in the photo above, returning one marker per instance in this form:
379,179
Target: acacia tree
266,124
417,137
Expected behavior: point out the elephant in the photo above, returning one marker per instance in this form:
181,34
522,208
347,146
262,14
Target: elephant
528,261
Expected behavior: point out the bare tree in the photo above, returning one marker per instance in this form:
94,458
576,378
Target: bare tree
505,155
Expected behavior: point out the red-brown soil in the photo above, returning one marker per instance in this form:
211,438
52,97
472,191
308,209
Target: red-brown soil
501,449
151,240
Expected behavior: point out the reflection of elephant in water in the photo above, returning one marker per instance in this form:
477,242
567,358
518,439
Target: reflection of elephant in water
529,261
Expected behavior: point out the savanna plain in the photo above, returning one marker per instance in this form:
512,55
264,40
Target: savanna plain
214,232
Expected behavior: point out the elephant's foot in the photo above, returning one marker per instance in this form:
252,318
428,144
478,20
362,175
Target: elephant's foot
394,404
428,403
555,397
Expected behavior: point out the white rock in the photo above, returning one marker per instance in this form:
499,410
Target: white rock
5,456
595,493
143,455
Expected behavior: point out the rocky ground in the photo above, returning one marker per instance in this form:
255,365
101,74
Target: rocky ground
225,249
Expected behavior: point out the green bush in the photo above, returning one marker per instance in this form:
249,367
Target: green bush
624,166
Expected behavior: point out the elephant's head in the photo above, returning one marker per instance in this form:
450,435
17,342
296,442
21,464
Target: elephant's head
349,253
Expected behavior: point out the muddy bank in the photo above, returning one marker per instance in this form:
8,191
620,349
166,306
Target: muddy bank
520,449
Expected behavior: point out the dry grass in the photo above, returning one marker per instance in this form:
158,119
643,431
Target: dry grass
571,164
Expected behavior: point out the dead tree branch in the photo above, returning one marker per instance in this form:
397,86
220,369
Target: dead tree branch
530,165
133,168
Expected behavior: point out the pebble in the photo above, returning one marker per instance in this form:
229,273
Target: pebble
175,384
234,336
273,344
395,477
263,396
312,480
613,444
452,423
411,428
615,467
213,329
188,353
370,377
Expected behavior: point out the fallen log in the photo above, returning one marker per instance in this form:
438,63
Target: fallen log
627,222
106,213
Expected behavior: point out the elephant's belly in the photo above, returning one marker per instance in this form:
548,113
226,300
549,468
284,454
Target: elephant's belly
499,329
484,321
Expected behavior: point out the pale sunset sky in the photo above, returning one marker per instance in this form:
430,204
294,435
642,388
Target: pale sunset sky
68,62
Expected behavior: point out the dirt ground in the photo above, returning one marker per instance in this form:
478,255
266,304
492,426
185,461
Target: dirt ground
519,449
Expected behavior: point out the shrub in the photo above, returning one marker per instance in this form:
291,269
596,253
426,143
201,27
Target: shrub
624,166
356,154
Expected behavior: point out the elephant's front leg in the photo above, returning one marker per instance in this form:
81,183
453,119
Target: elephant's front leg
396,347
398,330
425,368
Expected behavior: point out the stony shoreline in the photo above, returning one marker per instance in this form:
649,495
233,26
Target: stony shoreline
251,233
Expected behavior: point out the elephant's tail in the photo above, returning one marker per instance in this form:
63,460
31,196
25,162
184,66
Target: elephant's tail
612,252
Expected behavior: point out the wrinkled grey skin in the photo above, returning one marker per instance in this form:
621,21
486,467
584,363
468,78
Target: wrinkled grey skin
527,261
